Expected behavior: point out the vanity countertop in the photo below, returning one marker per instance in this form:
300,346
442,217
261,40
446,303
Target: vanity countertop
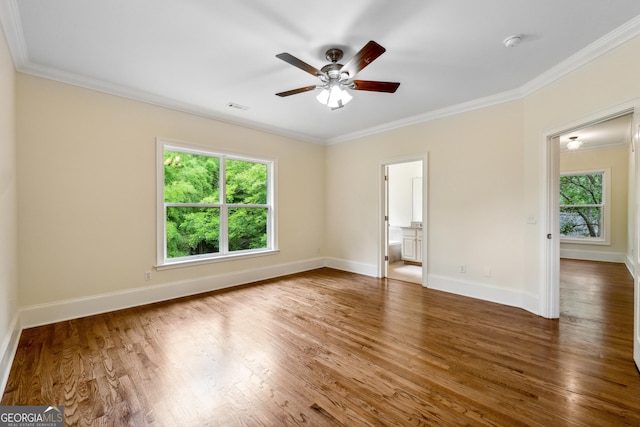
415,225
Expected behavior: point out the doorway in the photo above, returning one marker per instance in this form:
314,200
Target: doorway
609,250
403,242
600,138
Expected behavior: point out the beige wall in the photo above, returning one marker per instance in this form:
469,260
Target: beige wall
599,86
474,194
617,160
485,179
87,191
8,205
87,187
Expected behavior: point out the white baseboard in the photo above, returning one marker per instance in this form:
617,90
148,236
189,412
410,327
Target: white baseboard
352,266
483,291
58,311
628,261
592,255
9,347
531,303
42,314
480,290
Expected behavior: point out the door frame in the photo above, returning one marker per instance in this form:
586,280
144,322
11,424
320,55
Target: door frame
383,240
635,262
549,299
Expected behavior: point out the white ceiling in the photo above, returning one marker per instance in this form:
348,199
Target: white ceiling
604,134
200,55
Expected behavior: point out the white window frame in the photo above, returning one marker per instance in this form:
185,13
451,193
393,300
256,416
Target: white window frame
162,262
605,234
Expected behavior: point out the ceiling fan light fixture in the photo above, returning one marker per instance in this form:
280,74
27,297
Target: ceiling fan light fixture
335,78
334,96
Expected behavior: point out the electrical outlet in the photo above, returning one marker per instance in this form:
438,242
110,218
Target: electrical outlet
147,275
463,268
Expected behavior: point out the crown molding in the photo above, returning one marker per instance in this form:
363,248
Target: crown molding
10,21
156,100
11,24
605,44
587,147
474,104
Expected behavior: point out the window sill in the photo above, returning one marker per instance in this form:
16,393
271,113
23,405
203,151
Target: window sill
192,262
601,242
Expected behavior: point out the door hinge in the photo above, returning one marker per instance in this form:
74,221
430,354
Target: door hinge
386,217
549,236
386,258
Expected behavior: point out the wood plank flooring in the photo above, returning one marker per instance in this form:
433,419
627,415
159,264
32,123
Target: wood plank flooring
326,348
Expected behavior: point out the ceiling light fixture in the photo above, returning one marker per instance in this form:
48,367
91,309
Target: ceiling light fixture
333,96
337,80
574,144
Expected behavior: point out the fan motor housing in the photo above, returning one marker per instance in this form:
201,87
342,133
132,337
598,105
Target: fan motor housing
332,70
334,55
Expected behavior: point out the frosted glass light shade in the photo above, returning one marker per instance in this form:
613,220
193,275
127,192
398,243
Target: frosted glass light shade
574,144
334,97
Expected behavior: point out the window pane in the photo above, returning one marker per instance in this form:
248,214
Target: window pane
190,178
581,222
192,231
247,228
581,189
246,182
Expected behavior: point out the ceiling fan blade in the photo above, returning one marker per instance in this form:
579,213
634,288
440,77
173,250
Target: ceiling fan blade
364,57
288,58
296,91
374,86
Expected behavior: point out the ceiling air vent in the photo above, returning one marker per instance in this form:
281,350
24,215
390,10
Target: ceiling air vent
237,106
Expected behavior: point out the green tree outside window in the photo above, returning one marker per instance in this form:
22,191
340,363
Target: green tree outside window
581,205
195,210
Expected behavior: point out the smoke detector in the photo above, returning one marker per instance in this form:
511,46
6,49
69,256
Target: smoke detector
512,41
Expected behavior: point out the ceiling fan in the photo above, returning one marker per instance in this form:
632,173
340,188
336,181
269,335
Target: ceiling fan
336,79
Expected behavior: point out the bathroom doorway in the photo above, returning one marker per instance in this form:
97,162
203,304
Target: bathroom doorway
403,220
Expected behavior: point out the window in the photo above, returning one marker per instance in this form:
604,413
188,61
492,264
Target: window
583,207
212,206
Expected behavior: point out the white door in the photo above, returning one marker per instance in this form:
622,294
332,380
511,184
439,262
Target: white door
553,230
386,221
636,247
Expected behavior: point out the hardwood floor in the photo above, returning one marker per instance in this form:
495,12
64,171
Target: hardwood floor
327,348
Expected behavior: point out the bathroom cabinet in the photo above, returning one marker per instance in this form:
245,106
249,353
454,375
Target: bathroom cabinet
412,244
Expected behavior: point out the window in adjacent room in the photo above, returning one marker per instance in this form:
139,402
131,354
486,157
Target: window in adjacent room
584,216
213,205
